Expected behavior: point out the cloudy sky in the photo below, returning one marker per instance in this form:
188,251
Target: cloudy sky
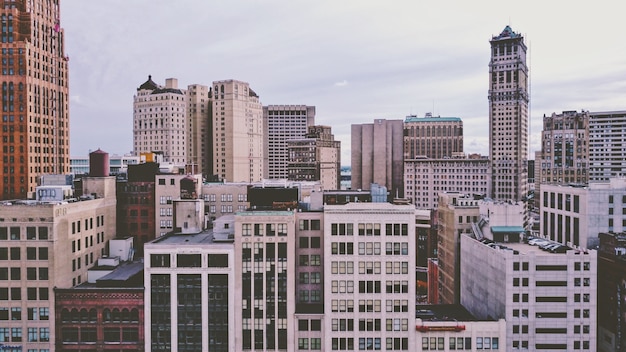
356,61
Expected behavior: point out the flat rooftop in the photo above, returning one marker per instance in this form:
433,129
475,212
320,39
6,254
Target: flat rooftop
204,237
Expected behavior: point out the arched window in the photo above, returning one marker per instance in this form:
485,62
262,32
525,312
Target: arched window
134,314
106,315
65,315
93,315
125,315
75,316
83,315
116,315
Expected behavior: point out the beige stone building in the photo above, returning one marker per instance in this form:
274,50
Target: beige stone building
238,139
456,213
167,189
508,116
47,245
432,137
198,129
160,121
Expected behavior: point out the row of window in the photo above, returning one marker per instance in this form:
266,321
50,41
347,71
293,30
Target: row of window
15,313
33,335
264,229
459,343
370,248
108,316
370,343
15,253
32,233
369,229
215,260
370,305
242,197
88,224
370,324
31,273
89,335
15,293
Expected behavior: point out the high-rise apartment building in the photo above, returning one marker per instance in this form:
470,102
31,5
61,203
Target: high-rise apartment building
607,133
369,275
317,157
238,138
432,137
160,121
611,287
199,131
377,156
35,111
564,155
508,116
283,123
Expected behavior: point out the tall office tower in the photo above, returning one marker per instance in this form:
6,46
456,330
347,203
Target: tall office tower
369,271
508,116
607,132
456,214
265,281
238,139
564,149
160,121
35,112
377,156
611,279
548,300
45,244
189,283
432,137
199,131
316,157
283,123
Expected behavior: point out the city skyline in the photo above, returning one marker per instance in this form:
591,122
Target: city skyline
389,61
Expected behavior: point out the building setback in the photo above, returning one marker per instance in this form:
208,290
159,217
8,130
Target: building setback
377,156
508,116
283,123
35,104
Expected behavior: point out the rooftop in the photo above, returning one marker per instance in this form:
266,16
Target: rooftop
204,237
431,119
444,312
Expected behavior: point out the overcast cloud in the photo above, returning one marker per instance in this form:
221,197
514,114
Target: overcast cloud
356,61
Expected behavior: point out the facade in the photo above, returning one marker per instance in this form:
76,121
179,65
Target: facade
224,198
576,215
432,137
265,247
611,287
160,121
199,129
189,281
35,105
167,189
455,215
369,277
238,135
317,157
564,149
46,245
377,156
606,145
447,327
549,300
508,116
426,179
283,123
103,315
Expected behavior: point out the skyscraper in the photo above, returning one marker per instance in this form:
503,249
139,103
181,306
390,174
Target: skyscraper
238,146
508,116
160,121
317,157
283,123
35,113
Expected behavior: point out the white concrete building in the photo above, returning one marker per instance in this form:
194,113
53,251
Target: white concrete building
576,215
426,179
369,276
548,299
606,145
